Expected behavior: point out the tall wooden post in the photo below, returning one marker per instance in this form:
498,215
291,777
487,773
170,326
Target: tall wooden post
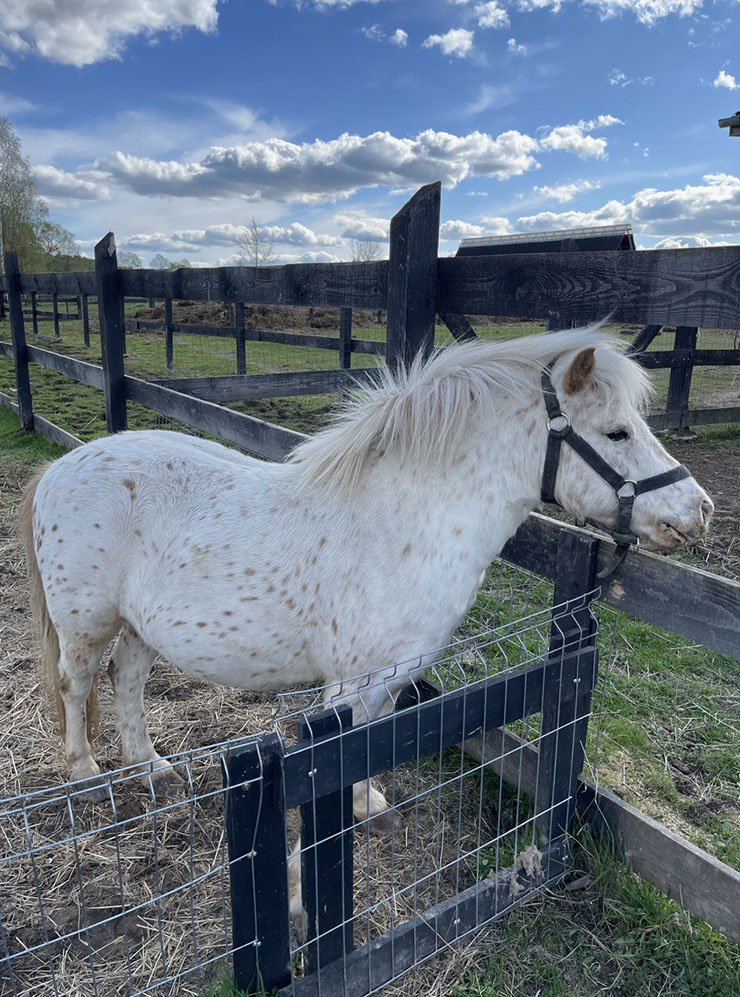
111,333
679,384
18,332
55,308
412,277
255,832
34,313
241,340
85,320
567,688
169,346
345,338
2,304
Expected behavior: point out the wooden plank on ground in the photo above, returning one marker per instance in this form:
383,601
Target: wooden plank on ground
692,287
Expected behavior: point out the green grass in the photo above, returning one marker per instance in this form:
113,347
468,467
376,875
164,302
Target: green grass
619,937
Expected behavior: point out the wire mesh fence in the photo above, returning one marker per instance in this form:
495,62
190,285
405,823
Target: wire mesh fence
140,893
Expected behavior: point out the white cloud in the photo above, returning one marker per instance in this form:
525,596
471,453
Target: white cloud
712,207
12,104
618,78
55,183
513,46
320,171
686,242
565,192
79,34
576,138
457,42
727,80
226,234
455,228
364,227
646,11
491,15
375,33
489,95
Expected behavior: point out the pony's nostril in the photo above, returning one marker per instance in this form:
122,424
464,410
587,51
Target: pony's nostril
707,508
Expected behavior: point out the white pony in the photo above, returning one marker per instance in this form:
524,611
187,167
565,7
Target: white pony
365,548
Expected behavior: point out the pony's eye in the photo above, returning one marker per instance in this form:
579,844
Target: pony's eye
619,435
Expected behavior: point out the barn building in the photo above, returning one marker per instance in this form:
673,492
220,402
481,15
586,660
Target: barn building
574,240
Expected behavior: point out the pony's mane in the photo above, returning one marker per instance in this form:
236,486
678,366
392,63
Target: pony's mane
423,412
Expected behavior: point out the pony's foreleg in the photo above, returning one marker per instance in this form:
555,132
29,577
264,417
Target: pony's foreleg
368,803
130,664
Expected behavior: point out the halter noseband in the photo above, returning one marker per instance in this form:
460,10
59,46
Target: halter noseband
559,429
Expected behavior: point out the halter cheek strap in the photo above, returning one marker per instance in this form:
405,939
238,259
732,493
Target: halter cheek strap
559,430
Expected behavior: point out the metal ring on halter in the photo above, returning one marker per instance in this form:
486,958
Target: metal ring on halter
628,494
563,429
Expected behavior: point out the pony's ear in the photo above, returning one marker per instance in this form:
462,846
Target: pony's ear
579,373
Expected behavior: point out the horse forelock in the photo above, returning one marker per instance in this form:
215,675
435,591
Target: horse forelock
424,412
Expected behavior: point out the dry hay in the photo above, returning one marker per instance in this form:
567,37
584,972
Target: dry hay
127,852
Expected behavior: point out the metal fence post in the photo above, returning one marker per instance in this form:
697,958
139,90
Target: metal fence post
412,277
258,866
567,689
326,849
18,332
111,333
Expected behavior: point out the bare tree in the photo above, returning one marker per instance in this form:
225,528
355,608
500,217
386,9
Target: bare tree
365,250
256,244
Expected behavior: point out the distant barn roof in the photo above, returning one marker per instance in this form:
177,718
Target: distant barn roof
573,240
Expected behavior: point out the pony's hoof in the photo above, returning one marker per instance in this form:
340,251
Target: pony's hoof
90,790
383,823
165,782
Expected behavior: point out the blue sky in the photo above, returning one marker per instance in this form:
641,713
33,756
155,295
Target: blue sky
176,122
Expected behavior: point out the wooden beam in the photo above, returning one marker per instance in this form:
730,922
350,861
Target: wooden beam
345,338
694,417
695,287
242,387
333,285
246,431
87,373
412,277
643,339
82,282
111,332
459,326
679,385
18,332
659,359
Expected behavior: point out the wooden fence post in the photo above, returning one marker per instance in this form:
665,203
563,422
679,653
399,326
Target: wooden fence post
326,850
679,384
412,277
111,333
2,305
34,313
18,332
258,867
85,320
567,689
345,338
55,309
241,340
169,345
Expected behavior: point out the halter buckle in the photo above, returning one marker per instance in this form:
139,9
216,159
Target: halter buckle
628,489
554,430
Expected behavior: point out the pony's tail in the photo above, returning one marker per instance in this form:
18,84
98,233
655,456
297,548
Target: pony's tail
48,636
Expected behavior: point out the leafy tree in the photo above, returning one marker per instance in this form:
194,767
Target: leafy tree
19,206
175,264
55,240
129,260
159,262
256,245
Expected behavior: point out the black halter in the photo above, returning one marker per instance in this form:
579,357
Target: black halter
559,429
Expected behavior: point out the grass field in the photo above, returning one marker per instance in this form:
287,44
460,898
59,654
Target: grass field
669,738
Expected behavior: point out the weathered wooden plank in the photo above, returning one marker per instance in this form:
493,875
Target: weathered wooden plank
18,333
241,341
334,285
686,600
658,359
679,384
168,334
87,373
8,402
459,326
370,967
246,431
6,349
81,282
644,338
696,287
345,337
55,433
85,320
111,332
242,387
693,417
412,277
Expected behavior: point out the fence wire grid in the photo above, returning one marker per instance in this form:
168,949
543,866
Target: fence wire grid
133,895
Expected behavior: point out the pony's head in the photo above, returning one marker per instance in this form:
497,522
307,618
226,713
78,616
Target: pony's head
603,393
